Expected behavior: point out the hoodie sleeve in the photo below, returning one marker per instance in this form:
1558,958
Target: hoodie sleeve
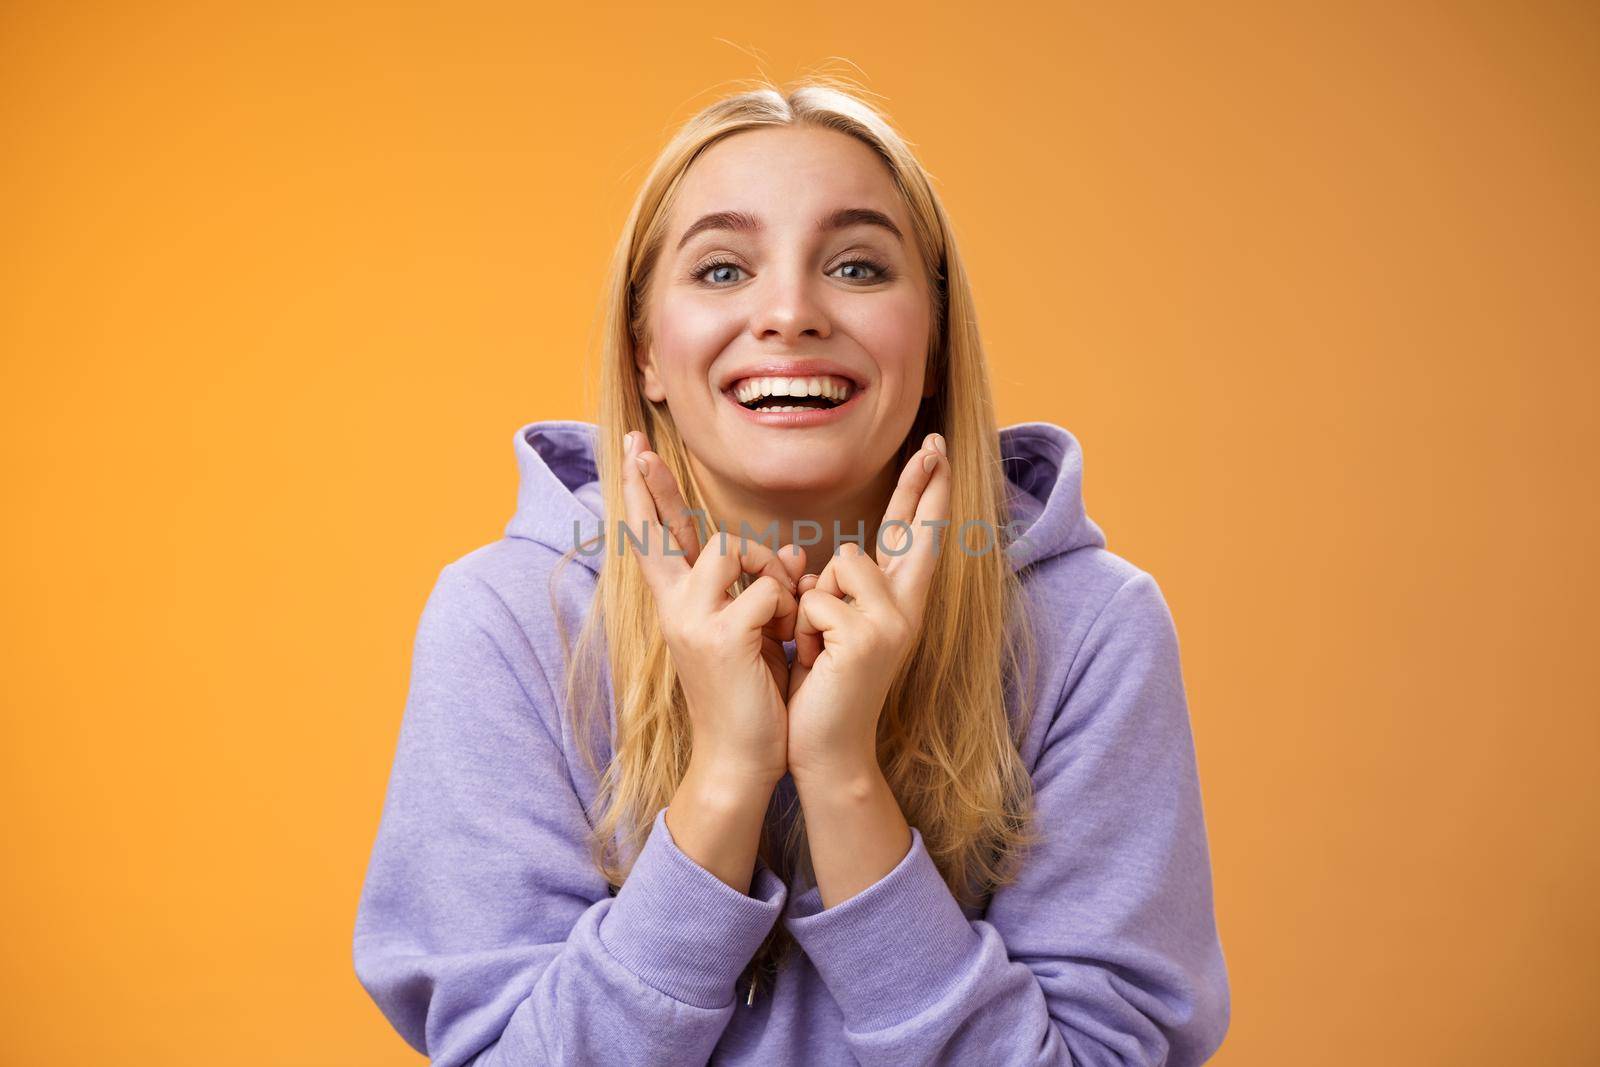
1104,950
484,933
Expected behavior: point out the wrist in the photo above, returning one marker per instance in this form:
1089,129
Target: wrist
717,825
728,785
850,780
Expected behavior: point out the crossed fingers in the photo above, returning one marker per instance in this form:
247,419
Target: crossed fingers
656,508
889,591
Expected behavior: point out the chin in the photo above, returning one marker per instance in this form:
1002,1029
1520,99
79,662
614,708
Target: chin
811,474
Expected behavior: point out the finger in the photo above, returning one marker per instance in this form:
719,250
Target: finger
858,576
670,506
757,559
708,584
828,580
763,601
660,570
794,561
807,646
821,613
793,558
903,504
914,569
781,626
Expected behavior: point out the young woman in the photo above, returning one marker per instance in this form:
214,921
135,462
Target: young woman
903,775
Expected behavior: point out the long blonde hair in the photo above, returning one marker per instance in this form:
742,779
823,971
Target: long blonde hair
946,743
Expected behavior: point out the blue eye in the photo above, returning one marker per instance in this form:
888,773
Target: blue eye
700,273
881,270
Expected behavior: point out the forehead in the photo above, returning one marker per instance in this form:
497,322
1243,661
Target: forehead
787,176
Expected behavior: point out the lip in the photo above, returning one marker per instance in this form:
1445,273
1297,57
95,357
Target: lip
795,420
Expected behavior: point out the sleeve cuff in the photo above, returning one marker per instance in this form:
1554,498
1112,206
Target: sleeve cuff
683,930
891,949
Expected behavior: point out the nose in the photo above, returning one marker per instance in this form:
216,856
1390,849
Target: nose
788,308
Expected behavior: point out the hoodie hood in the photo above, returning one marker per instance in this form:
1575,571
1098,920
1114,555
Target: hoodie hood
560,486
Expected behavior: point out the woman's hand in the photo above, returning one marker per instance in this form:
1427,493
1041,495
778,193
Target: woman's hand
847,653
728,651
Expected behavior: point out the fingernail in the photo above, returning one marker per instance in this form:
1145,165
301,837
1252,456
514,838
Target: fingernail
627,441
644,468
930,462
938,442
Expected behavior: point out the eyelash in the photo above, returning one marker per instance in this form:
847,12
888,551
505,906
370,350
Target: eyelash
882,269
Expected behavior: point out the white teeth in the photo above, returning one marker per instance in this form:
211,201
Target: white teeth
836,389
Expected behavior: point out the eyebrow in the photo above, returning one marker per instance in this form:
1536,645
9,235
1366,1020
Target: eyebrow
743,222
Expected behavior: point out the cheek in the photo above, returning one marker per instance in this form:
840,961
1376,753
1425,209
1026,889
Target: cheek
894,331
689,335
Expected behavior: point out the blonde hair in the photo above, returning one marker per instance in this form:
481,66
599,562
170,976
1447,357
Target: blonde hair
947,746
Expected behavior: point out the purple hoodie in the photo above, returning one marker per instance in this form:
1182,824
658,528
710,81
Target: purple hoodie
487,937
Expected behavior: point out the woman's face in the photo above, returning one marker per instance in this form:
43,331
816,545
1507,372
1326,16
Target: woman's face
788,273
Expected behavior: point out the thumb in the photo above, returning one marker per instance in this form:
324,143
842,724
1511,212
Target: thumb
807,637
762,601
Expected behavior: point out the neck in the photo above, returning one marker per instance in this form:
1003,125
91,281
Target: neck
826,517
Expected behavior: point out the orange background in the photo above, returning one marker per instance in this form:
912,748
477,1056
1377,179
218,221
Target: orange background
1316,291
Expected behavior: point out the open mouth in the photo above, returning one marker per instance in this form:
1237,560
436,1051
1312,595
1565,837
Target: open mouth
792,394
